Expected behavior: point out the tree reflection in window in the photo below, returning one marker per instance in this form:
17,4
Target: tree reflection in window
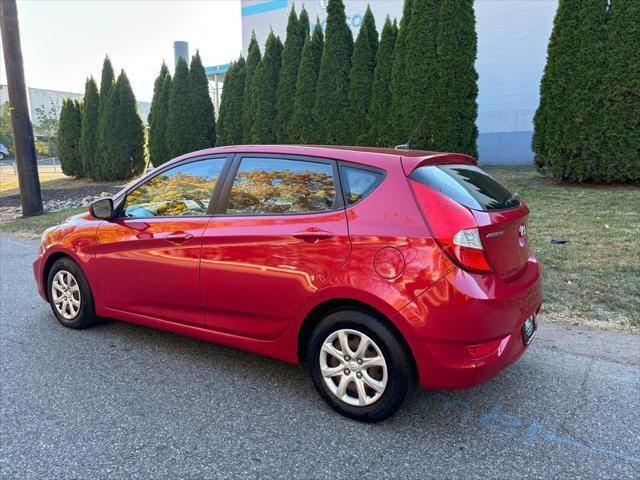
275,186
181,191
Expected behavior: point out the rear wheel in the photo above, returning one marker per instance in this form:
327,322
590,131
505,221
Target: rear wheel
359,366
70,295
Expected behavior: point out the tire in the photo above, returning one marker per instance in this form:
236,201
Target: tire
79,311
1,156
360,402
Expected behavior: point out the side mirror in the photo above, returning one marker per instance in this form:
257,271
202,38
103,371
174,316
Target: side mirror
102,208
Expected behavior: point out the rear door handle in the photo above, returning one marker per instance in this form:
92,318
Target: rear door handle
178,237
312,236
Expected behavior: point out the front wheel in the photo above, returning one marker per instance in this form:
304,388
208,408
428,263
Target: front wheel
70,295
359,366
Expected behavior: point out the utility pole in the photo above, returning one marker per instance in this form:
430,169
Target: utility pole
26,164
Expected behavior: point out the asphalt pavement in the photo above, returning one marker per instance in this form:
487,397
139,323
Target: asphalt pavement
124,401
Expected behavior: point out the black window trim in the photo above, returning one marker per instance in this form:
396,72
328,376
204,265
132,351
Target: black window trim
159,170
359,166
225,190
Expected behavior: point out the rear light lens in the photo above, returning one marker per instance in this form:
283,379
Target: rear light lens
469,251
453,227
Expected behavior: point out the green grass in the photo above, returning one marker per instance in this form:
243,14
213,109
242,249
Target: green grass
595,278
33,227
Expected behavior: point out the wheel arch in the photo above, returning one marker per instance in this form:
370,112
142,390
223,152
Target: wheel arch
53,258
326,307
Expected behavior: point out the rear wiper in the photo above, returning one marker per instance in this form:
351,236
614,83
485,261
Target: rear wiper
514,199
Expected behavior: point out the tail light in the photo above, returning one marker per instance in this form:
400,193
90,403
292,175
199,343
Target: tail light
453,227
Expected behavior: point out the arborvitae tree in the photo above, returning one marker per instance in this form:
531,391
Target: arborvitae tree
286,91
422,74
203,120
249,99
332,92
574,153
305,27
229,128
453,127
178,131
620,156
265,83
89,130
302,124
379,116
563,117
121,134
361,80
69,127
107,81
402,123
158,117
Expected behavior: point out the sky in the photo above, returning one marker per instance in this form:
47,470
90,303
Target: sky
65,41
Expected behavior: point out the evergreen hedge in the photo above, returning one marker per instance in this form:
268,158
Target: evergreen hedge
332,92
158,152
202,116
303,129
620,155
453,126
361,80
179,135
400,85
69,128
379,116
229,128
107,80
249,100
286,90
265,83
121,134
421,63
89,127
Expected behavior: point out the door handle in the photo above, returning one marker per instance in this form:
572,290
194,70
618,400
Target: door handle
178,237
312,236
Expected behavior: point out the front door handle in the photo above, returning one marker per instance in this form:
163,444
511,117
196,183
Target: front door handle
312,236
178,237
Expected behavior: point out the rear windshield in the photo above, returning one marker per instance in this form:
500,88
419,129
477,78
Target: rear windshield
468,185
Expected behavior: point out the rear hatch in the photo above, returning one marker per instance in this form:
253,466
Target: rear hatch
472,215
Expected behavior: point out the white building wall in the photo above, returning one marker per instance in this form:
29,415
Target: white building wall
512,44
39,98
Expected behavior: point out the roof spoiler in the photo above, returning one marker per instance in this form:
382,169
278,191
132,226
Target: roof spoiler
409,164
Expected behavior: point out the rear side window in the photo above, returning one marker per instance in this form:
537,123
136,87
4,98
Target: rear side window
275,186
358,183
468,185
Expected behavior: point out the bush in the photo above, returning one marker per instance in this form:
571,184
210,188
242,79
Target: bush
265,83
68,136
332,92
158,151
121,134
89,129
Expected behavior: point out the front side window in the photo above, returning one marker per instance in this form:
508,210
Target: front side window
182,191
271,186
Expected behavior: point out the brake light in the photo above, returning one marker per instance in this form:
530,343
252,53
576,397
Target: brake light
453,227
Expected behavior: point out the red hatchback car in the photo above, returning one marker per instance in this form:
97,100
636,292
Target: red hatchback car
375,267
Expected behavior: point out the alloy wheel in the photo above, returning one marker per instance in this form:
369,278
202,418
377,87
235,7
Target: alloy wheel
65,293
353,367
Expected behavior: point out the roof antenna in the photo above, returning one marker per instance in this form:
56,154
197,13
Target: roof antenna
407,146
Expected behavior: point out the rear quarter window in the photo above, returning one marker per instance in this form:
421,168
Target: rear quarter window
468,185
358,183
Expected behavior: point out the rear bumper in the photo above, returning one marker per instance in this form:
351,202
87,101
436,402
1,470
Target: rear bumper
465,309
